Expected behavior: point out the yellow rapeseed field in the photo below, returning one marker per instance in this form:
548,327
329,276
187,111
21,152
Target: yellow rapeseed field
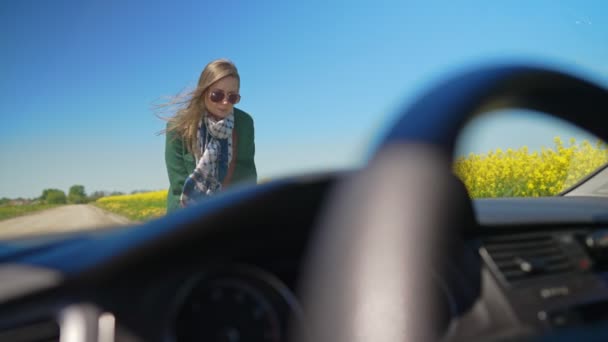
523,173
138,207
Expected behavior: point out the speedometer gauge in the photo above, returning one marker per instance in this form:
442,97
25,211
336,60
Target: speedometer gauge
233,305
228,310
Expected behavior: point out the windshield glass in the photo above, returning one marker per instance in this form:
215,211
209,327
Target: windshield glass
525,154
89,87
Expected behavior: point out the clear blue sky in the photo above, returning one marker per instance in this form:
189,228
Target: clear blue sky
79,78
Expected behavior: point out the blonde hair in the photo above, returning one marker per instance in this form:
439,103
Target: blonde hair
191,105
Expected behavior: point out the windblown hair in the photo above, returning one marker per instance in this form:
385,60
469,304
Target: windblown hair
191,104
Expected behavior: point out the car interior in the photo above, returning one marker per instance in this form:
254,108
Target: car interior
393,251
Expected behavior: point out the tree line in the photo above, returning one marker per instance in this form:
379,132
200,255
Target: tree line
76,195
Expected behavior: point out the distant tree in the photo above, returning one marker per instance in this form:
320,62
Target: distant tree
4,200
116,193
96,195
53,196
77,195
45,194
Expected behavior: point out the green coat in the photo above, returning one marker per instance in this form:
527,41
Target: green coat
181,163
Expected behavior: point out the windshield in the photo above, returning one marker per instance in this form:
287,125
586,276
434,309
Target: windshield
89,87
520,153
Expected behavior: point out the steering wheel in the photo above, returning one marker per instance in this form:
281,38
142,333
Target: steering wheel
393,228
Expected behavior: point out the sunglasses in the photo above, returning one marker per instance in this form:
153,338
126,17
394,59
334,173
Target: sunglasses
219,95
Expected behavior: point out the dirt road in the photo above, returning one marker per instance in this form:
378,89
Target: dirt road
62,219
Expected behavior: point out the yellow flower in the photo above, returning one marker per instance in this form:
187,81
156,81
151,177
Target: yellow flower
522,172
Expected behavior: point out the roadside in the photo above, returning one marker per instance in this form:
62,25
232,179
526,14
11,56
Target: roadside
65,218
137,207
10,211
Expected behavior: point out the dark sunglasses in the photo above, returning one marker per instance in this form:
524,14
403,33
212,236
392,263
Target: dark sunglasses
219,95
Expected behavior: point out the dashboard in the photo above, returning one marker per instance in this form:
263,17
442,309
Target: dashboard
550,279
534,278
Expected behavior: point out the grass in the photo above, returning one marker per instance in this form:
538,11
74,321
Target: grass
10,211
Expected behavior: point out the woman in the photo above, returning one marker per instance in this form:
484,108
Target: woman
210,143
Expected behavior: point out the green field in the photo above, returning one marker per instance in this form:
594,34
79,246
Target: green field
10,211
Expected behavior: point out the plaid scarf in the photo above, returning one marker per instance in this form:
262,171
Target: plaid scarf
215,142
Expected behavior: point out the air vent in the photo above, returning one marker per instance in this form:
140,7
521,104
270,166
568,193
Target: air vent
36,331
522,257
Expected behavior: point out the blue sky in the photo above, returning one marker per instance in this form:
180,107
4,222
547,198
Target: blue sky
80,78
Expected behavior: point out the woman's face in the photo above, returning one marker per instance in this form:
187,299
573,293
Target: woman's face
223,89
